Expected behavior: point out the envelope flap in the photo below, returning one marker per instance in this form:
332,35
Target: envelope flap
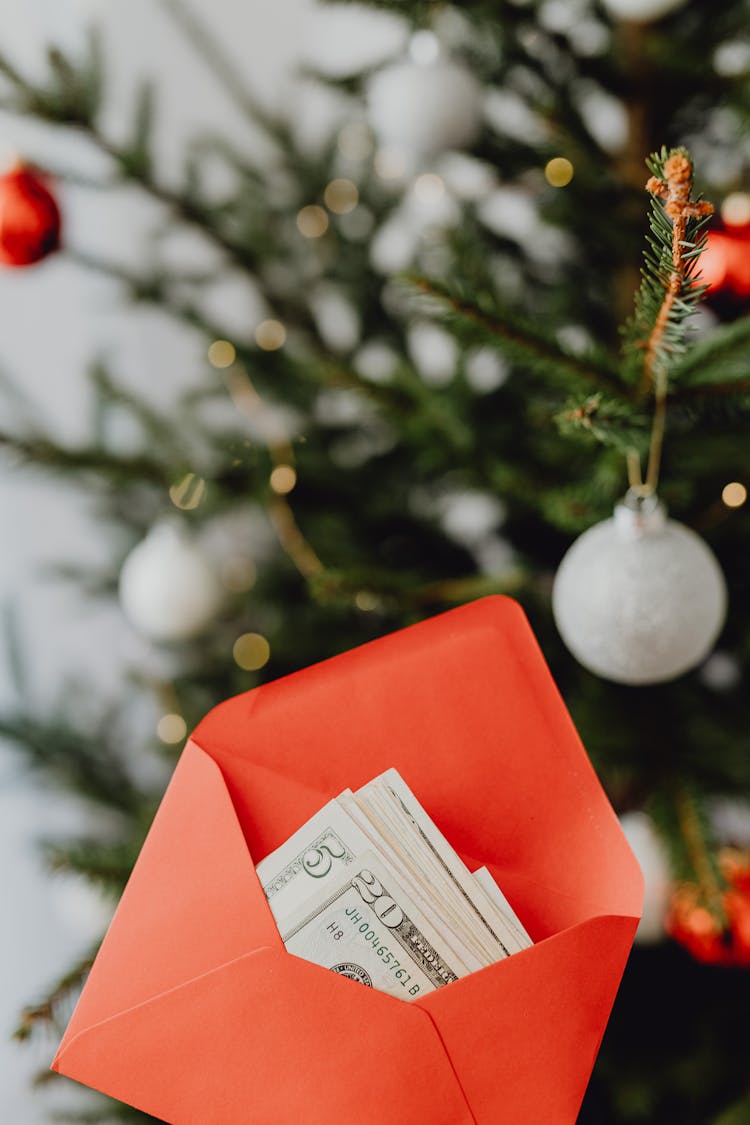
192,902
525,1033
259,1039
463,705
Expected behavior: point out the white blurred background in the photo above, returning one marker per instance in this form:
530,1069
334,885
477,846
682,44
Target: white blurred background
55,318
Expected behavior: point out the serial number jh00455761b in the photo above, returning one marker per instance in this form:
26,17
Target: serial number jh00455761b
348,925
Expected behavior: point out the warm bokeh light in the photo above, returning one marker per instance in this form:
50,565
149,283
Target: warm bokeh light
429,188
365,600
341,196
251,651
735,210
270,335
221,353
187,493
238,574
171,728
734,494
559,171
312,221
283,479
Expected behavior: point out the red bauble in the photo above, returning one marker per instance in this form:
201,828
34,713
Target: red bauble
29,218
725,261
691,923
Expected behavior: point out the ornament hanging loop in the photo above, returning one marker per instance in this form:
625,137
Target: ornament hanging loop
635,500
637,484
639,514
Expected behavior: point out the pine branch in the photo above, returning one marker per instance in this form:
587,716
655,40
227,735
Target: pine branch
14,653
668,294
43,453
401,592
141,162
607,421
106,864
571,506
655,335
311,365
106,1114
524,343
67,101
73,95
719,364
155,427
107,471
88,767
53,1011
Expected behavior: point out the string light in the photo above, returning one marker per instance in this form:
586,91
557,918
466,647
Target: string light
221,354
283,479
735,210
270,335
251,652
187,493
341,196
171,728
559,172
734,494
312,221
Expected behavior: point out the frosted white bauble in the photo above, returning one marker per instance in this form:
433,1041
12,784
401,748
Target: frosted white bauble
641,11
421,109
649,850
639,598
168,590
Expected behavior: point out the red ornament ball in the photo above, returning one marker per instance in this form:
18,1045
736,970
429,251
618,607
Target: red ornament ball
725,261
29,218
714,940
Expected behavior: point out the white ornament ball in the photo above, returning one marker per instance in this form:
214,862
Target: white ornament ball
639,598
423,109
648,848
168,590
641,11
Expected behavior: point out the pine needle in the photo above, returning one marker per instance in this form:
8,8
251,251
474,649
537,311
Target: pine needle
669,292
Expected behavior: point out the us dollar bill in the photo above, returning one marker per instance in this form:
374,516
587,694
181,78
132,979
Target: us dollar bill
310,860
493,892
366,928
325,850
426,889
370,887
490,919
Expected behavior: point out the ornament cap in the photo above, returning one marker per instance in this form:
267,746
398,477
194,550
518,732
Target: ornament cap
636,516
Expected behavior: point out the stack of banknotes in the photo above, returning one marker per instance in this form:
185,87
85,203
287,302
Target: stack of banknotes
371,889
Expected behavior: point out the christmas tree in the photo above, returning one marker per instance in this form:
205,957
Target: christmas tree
461,361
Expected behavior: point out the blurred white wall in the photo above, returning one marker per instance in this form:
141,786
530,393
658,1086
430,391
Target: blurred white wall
55,317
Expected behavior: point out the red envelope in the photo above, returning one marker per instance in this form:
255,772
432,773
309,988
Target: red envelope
195,1012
